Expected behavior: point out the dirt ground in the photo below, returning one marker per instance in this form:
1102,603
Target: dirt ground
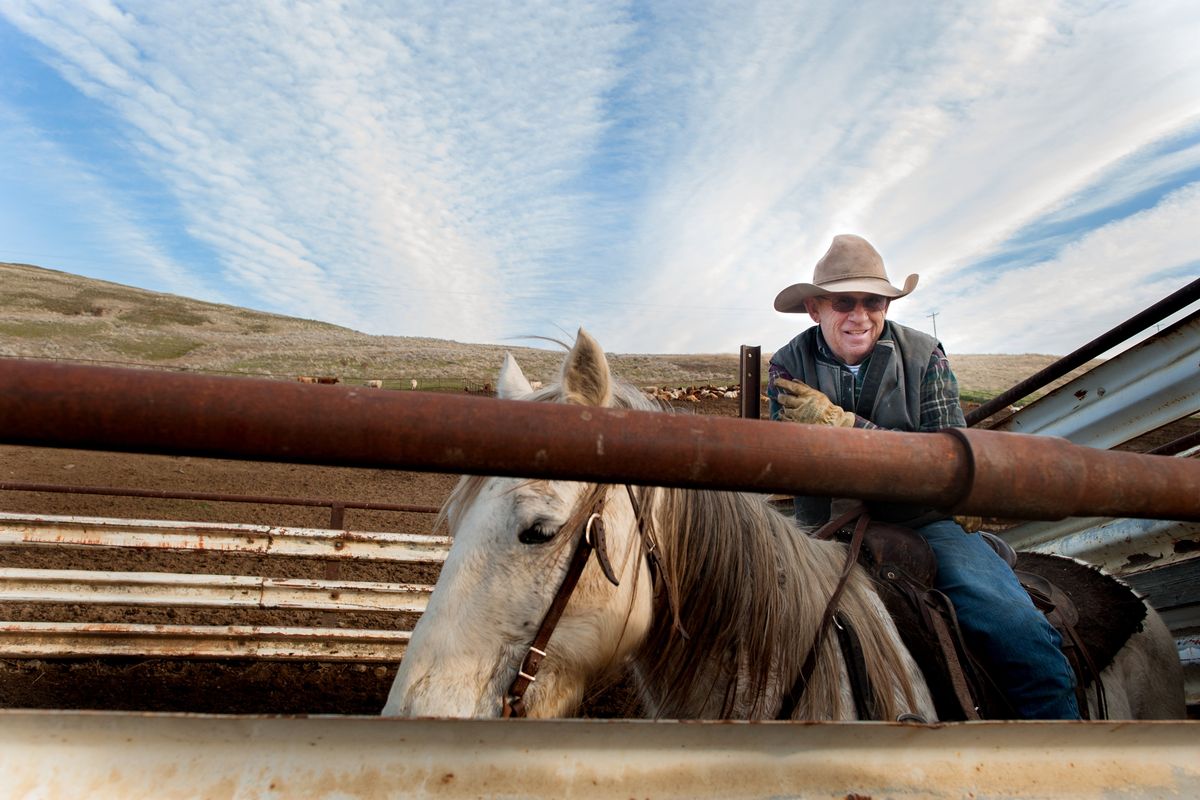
262,687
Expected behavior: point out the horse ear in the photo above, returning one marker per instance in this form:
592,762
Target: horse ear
512,383
585,377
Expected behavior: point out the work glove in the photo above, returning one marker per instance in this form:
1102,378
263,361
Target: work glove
802,403
969,524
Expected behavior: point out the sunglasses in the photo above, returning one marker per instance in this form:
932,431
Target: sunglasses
844,304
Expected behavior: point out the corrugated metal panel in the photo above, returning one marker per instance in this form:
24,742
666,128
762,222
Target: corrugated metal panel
99,756
1120,546
1138,391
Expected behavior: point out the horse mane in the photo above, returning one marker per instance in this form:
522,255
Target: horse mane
752,589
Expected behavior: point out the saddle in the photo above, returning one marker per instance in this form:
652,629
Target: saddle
904,569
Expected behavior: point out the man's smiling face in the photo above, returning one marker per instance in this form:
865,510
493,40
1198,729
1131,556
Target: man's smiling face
852,331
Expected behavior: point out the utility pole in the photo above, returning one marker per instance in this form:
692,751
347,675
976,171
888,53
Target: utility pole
933,316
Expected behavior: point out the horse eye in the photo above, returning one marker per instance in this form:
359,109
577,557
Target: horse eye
536,534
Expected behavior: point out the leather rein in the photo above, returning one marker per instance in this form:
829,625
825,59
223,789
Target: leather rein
591,539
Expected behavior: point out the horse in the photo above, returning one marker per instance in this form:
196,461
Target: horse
709,599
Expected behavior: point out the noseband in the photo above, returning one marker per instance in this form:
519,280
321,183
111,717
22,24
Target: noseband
590,539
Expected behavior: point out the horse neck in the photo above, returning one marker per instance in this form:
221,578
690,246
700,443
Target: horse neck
751,587
725,557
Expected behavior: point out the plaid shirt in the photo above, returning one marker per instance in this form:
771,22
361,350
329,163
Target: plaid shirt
940,406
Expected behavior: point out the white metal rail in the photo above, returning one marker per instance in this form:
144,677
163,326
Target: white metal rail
96,639
260,539
175,590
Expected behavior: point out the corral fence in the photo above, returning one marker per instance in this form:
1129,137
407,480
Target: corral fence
981,472
93,589
330,595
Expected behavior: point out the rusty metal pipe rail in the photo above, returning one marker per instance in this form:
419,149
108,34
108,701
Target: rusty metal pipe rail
970,471
336,507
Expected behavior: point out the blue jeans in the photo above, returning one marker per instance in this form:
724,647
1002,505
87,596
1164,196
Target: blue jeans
1018,646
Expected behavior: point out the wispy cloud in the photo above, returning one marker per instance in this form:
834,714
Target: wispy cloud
104,222
349,164
1097,281
655,172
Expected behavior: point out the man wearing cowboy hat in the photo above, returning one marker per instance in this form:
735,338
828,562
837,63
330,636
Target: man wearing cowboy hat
857,369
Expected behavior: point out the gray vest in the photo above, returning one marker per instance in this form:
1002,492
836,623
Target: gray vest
893,376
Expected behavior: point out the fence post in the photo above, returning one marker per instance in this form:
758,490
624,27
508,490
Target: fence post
749,374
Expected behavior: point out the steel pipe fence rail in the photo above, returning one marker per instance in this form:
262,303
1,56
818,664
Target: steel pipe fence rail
971,471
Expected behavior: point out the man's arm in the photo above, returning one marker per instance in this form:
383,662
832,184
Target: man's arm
940,404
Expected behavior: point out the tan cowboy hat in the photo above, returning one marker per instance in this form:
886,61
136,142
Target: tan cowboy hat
850,265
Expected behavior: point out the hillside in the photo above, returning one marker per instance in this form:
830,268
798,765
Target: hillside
49,314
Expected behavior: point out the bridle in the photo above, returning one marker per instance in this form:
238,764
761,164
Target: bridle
590,539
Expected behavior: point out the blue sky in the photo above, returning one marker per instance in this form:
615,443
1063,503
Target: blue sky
654,172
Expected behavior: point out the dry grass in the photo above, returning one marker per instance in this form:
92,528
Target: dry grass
50,314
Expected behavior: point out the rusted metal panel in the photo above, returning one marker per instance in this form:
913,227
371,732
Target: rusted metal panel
981,472
95,639
262,539
206,591
100,756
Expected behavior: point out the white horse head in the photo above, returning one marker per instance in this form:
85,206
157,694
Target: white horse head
512,542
